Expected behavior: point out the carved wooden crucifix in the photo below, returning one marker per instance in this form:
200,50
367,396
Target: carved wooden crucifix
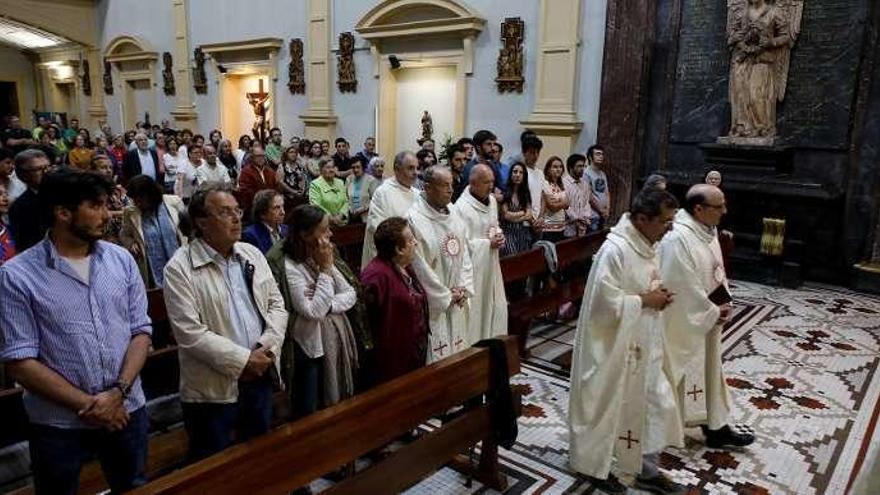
258,102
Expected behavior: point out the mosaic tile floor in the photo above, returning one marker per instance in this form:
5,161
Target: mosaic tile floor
802,368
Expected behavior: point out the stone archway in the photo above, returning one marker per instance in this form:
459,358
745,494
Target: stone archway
133,63
422,34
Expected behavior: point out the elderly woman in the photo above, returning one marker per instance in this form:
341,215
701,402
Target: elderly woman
151,228
268,218
293,178
360,188
376,168
396,302
326,352
328,193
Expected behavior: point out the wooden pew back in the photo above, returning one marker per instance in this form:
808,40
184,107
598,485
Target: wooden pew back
296,453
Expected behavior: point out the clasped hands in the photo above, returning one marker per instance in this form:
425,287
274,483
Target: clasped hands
257,364
459,296
658,298
106,409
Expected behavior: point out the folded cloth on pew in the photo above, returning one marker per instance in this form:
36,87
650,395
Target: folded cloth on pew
500,395
550,256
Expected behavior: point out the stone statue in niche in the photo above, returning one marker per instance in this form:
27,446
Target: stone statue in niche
510,58
108,78
167,74
295,71
86,78
345,63
200,80
760,36
427,127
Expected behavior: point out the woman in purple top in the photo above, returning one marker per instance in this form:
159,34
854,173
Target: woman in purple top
396,302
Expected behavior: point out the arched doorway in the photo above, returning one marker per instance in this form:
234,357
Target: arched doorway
133,67
432,41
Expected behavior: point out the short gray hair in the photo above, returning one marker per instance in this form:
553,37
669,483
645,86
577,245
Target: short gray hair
24,158
262,203
432,171
197,203
400,157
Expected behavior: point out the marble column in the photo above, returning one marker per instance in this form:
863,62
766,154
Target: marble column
629,31
319,119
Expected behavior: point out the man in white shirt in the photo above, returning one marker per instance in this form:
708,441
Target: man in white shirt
212,170
531,151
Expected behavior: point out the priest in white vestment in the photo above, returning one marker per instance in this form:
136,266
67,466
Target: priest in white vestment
692,267
478,209
622,403
442,264
393,198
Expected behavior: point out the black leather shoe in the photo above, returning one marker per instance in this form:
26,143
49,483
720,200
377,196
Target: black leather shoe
726,437
609,485
659,484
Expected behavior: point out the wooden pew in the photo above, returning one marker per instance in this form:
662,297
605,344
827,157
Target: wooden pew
349,240
294,454
517,268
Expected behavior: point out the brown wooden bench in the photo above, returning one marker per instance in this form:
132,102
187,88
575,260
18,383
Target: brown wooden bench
521,311
297,453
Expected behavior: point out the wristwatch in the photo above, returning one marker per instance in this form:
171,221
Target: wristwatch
124,388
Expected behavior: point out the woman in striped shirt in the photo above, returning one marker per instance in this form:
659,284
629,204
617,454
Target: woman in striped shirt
553,202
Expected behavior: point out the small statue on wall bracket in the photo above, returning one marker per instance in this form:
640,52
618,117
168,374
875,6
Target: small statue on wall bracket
200,80
510,58
86,80
108,78
295,71
167,74
427,128
345,63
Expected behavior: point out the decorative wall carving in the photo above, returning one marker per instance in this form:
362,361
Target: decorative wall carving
167,74
200,79
108,78
760,35
345,63
510,58
295,71
86,80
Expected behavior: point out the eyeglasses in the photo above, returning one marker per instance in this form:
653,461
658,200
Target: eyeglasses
230,213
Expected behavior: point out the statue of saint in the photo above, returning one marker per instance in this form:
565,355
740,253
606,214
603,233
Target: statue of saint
427,126
760,35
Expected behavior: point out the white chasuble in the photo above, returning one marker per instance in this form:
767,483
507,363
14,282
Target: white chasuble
692,267
487,316
442,262
391,199
621,402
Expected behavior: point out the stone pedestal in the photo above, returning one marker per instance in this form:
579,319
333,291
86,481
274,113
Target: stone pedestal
759,183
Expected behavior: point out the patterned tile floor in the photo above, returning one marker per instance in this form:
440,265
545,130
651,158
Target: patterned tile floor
802,368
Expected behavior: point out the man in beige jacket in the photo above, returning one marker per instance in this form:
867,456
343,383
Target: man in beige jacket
229,320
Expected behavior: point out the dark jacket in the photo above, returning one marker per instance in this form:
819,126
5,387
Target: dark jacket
26,221
258,235
131,166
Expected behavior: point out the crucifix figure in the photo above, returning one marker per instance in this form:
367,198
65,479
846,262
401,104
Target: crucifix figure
695,393
258,102
629,439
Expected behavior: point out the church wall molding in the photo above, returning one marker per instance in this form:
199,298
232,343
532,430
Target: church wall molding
554,116
132,60
393,23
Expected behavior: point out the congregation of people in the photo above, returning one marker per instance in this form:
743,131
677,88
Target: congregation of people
240,241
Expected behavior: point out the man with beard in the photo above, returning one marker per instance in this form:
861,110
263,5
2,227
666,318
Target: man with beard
75,335
229,320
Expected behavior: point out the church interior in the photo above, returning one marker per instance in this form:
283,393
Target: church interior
786,110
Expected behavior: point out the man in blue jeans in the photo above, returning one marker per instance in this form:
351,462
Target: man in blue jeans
74,332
